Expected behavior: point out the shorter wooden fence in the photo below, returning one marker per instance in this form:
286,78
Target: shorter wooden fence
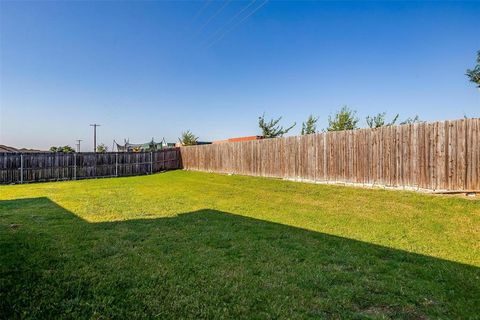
48,166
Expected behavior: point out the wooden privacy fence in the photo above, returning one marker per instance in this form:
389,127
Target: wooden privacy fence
437,156
34,167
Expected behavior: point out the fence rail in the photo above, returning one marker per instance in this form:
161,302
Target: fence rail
437,156
36,167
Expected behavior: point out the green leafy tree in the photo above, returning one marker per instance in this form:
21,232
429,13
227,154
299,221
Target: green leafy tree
378,120
64,149
344,119
310,126
67,149
271,129
102,148
474,74
188,138
411,120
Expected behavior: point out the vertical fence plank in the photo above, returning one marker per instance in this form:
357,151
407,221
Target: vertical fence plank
74,166
21,168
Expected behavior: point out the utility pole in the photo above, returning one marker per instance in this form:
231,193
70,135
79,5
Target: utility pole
94,136
78,144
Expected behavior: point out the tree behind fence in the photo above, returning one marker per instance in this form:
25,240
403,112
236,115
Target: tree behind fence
34,167
438,156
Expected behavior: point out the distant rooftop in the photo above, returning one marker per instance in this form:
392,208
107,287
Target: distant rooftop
4,148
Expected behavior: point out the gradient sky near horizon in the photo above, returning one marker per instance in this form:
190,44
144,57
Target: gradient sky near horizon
146,69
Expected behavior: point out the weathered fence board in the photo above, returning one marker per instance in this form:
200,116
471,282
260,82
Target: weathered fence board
437,156
48,166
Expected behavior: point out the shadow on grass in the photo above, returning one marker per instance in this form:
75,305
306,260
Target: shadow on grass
211,264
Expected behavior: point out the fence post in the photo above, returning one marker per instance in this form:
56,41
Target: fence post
74,166
116,164
96,160
21,167
179,159
151,162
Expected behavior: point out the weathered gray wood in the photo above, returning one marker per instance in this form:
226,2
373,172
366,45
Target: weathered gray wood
48,166
437,156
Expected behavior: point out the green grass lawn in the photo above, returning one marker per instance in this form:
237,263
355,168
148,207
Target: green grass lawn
196,245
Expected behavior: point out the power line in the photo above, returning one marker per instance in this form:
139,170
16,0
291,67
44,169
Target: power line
199,12
238,23
233,18
213,16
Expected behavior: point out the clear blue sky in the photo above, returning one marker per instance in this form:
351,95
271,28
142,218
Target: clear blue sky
151,69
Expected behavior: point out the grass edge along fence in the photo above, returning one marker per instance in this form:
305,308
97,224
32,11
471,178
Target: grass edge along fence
48,166
438,156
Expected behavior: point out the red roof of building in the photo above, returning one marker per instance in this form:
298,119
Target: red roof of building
239,139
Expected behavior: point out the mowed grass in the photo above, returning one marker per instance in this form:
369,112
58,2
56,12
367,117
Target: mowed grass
181,245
